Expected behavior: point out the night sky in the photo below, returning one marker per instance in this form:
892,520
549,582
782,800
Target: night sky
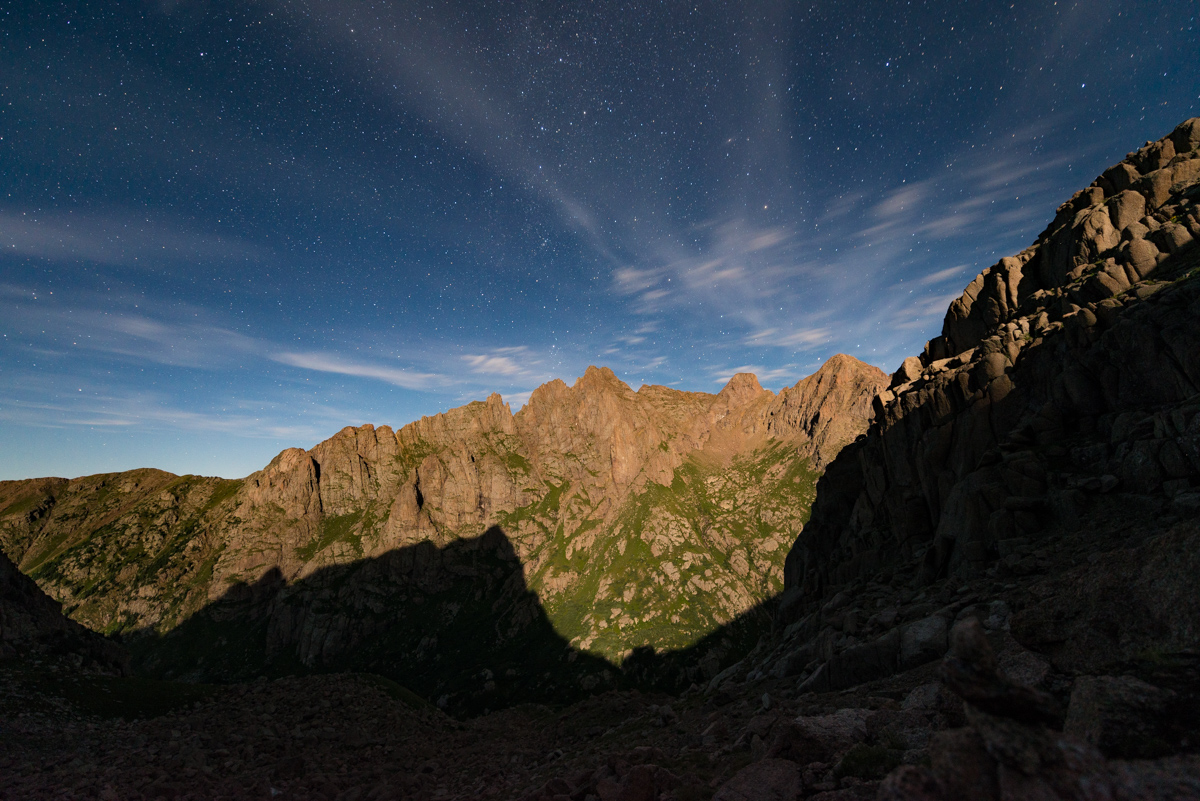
230,228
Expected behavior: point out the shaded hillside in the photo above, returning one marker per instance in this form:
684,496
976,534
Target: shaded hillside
33,629
641,519
455,623
1073,365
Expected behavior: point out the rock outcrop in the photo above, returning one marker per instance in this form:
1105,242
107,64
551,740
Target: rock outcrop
1011,750
1065,383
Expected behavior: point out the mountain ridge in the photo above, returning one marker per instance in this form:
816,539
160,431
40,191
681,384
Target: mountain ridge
581,478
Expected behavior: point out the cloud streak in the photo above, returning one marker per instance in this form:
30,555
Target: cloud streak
766,375
516,362
116,239
142,412
332,363
444,88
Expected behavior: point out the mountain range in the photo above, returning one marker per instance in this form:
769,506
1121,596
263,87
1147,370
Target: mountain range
642,519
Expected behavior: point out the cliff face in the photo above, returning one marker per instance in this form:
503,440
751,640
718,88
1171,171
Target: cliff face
824,410
638,518
1059,410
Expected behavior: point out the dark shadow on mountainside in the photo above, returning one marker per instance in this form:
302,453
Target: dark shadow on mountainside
456,624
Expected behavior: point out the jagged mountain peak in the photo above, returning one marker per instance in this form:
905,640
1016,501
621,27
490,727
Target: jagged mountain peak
821,410
741,388
839,362
595,377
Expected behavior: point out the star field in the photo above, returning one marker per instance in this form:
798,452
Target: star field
229,228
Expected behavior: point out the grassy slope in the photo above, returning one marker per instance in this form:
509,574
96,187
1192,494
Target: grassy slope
680,560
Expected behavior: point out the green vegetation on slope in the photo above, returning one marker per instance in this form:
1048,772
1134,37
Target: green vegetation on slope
610,575
678,561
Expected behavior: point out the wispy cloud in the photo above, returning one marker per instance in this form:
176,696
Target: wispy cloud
428,67
929,306
632,280
117,239
155,412
493,365
510,362
128,332
138,329
332,363
736,268
764,374
803,338
965,196
842,284
958,271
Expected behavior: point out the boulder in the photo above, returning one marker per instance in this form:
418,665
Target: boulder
1104,285
1126,208
856,665
1118,275
908,372
638,783
1135,230
1121,715
990,366
922,641
820,738
1186,135
1183,173
766,780
1004,754
1121,176
1094,235
1155,187
972,672
1154,155
1141,255
1171,237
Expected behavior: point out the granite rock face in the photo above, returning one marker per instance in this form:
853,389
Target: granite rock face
1012,749
1062,394
1036,469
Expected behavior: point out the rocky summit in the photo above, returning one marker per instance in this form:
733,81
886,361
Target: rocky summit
618,595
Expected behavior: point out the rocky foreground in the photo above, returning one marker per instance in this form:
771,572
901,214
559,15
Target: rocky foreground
972,727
